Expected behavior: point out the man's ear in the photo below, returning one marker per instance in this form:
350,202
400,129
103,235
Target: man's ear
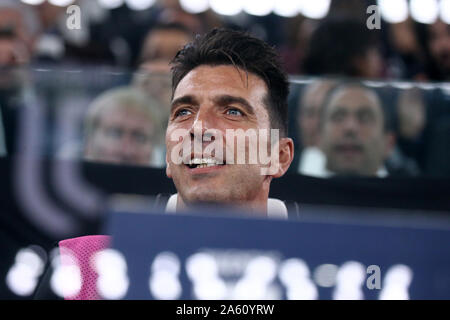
286,155
168,171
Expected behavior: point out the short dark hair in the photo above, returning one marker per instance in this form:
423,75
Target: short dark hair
229,47
335,45
161,27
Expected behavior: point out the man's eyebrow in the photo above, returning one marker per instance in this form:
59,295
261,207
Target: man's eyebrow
188,99
225,100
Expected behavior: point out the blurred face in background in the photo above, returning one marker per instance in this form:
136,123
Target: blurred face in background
159,48
439,44
310,106
352,132
15,39
369,65
122,135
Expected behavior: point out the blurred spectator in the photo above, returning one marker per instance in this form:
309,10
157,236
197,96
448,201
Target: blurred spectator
298,32
438,46
311,160
159,48
311,102
406,57
122,126
411,113
346,47
17,33
354,135
171,12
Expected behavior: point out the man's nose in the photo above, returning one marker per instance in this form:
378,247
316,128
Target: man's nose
351,124
204,121
128,145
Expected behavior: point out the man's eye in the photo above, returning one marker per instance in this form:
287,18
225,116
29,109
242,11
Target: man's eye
114,133
338,116
234,112
183,112
366,117
141,137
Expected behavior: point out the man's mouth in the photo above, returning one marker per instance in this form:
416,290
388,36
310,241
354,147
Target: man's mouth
197,163
349,149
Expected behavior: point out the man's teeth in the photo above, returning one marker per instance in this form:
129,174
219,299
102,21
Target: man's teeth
203,162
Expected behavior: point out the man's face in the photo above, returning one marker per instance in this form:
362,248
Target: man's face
311,103
440,44
352,135
123,135
15,47
220,98
160,47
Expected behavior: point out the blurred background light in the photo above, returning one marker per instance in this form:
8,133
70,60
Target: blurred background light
201,266
325,275
112,282
292,270
194,6
349,281
306,291
111,4
139,4
249,289
166,261
163,282
444,8
226,8
203,270
396,283
104,259
393,11
33,2
23,276
61,3
259,7
258,276
424,11
295,275
287,8
262,268
316,9
165,285
212,289
66,279
374,84
403,85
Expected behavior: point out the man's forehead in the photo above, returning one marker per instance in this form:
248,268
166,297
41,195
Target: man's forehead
355,97
315,94
220,78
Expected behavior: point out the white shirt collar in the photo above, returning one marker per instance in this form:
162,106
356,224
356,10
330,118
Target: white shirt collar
275,208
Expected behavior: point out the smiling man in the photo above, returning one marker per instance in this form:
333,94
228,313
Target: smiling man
227,85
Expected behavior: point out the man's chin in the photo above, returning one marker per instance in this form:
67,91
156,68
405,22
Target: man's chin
207,198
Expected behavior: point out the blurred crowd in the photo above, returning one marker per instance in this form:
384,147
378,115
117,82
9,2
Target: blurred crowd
341,43
339,126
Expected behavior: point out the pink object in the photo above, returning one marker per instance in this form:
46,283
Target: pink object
80,251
